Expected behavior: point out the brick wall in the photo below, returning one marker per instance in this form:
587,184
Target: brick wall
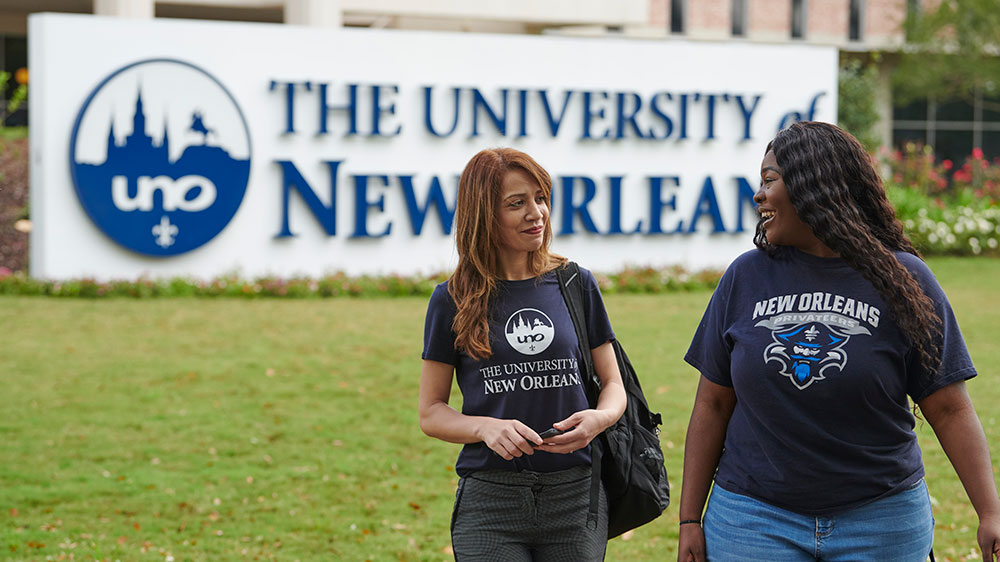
659,14
827,21
769,20
883,22
710,19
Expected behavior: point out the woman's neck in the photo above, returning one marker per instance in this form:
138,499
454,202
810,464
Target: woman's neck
514,266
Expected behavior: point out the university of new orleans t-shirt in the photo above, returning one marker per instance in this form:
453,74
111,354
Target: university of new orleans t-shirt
821,374
534,374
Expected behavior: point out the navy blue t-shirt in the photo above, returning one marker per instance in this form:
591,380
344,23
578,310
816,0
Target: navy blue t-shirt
821,373
534,374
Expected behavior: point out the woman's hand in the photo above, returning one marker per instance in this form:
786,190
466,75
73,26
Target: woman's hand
581,428
989,538
953,418
507,438
691,546
706,434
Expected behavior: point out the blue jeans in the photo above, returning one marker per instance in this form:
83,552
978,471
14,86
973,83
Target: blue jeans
898,528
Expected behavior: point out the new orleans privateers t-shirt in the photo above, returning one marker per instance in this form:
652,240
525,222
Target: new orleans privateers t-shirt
534,374
821,373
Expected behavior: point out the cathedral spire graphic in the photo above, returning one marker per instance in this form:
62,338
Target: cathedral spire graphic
139,144
139,123
165,140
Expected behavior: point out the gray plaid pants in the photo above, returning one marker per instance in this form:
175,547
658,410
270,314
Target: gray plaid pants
527,516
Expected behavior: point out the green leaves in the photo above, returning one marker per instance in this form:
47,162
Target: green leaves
16,91
857,112
629,280
952,50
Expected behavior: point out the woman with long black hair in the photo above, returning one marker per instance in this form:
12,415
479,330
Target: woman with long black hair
810,352
500,326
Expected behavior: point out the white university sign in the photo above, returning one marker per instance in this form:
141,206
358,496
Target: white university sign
172,148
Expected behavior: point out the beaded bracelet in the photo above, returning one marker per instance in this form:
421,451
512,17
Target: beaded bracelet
686,521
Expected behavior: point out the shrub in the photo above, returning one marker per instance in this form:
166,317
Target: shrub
857,111
629,280
939,228
945,210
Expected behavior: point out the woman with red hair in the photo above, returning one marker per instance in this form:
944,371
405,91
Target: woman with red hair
500,326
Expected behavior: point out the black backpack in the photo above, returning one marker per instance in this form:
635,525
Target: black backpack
627,456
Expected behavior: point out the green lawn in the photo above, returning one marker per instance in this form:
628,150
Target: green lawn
229,429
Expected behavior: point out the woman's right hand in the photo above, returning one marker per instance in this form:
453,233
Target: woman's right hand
508,438
691,546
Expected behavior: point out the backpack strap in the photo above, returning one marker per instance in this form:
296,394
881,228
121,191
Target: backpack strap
571,286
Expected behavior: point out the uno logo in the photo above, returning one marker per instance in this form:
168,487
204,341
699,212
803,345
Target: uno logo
160,156
529,331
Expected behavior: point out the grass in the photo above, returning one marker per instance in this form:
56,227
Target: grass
203,429
13,132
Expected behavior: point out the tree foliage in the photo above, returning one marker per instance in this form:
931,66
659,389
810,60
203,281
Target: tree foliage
952,50
857,112
15,97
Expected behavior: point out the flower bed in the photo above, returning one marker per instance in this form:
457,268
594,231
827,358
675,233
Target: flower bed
945,210
630,280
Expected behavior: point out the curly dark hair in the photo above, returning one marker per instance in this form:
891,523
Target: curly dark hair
833,184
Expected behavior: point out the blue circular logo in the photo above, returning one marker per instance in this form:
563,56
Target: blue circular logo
160,156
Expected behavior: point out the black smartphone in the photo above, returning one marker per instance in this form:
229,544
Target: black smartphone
551,432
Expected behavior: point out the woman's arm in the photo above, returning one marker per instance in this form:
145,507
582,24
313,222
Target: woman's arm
588,424
953,418
706,434
508,438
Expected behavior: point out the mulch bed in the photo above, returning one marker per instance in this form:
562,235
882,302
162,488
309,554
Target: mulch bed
13,203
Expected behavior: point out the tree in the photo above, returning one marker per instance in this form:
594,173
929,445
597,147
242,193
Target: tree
16,98
856,110
952,51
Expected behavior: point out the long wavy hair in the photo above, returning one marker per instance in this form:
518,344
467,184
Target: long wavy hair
836,190
477,238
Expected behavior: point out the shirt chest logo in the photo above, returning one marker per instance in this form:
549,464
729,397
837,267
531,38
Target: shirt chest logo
529,331
804,352
810,332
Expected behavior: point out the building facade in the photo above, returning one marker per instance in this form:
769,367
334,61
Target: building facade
857,28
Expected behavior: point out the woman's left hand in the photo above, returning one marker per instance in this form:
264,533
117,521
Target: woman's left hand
583,427
989,538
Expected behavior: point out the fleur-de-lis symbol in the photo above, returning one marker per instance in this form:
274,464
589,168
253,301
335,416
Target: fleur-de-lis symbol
165,232
811,333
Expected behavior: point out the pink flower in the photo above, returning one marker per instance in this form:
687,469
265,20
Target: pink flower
947,164
977,153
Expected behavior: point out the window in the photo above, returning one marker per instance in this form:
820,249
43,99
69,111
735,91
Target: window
952,128
676,16
854,32
739,18
798,19
991,143
13,57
